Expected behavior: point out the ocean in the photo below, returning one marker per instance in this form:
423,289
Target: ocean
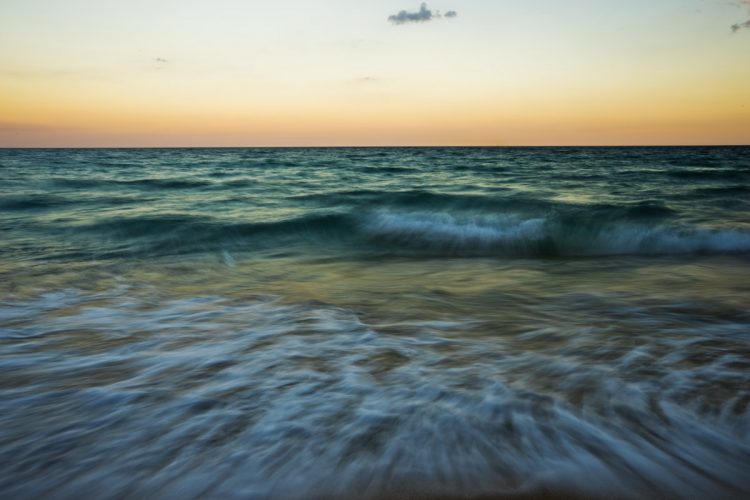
375,323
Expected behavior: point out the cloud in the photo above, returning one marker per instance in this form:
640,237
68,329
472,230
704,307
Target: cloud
161,60
736,27
422,15
364,81
403,17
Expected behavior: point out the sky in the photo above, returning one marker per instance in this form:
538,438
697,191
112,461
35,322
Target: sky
99,73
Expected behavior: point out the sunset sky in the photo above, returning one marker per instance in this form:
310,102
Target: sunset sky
339,72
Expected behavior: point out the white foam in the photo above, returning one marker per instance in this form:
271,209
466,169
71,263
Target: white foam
447,228
512,234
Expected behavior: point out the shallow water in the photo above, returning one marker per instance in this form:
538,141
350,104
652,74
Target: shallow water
375,322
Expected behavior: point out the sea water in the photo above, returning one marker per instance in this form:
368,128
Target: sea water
375,322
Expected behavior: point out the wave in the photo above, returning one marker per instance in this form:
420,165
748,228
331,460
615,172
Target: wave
149,183
503,200
284,399
32,202
548,236
710,174
721,191
422,233
52,202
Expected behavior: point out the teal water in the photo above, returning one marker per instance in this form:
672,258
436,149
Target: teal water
375,322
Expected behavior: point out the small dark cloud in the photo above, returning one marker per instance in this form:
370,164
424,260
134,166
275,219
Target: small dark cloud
736,27
424,14
161,60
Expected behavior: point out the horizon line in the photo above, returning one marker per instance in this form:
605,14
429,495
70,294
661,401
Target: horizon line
396,147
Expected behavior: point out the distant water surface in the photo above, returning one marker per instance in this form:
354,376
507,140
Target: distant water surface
375,322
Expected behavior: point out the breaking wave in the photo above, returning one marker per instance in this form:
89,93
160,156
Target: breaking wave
415,233
533,237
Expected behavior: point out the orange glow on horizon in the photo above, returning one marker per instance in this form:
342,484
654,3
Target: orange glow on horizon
455,83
